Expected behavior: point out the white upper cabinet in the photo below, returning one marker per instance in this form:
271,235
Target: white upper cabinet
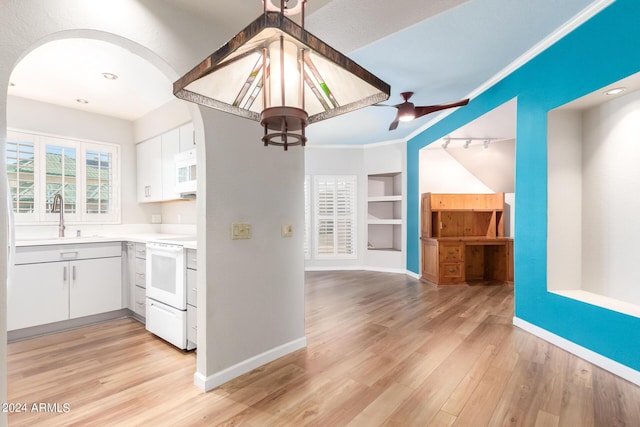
170,147
149,170
187,137
156,168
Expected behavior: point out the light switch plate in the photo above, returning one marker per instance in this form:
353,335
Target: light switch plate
156,219
240,230
287,230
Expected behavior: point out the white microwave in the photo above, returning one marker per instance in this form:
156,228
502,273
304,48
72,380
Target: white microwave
186,172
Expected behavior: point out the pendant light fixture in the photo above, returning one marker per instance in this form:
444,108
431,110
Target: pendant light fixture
278,74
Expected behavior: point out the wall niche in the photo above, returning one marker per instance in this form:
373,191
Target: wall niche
592,194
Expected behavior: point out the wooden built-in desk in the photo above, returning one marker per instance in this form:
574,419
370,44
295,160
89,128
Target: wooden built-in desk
463,239
449,261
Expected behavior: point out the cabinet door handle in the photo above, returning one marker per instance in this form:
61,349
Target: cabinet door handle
194,289
73,273
64,274
69,255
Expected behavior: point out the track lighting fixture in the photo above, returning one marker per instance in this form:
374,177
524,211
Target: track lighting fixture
467,141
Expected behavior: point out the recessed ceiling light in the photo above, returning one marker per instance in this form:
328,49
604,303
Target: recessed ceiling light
110,76
82,101
615,91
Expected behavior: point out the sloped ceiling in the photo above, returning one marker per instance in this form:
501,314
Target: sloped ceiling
442,50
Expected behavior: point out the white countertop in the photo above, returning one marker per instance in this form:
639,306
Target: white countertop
137,238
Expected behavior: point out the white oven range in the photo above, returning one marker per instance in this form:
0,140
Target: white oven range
166,314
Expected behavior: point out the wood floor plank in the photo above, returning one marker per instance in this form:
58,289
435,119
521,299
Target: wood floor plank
383,349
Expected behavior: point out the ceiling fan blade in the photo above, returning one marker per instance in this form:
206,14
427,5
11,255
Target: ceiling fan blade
386,105
428,109
394,123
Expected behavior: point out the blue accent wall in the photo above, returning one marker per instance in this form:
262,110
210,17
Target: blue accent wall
601,51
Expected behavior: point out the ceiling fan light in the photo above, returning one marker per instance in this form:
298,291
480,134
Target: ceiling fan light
406,112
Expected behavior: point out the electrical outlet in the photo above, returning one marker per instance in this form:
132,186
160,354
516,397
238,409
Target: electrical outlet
287,230
156,219
240,231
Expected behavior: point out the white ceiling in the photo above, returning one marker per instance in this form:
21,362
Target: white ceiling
442,50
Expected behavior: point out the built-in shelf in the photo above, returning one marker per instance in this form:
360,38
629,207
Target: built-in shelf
385,212
396,198
385,249
385,221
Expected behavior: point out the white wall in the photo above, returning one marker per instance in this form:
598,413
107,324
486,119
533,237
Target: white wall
592,185
251,293
30,115
255,287
564,199
340,161
611,230
381,159
440,172
360,161
165,118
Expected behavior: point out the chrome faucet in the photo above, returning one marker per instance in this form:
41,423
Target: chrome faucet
58,201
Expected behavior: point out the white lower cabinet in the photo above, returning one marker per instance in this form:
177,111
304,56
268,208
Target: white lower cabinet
192,297
96,286
54,283
140,281
38,294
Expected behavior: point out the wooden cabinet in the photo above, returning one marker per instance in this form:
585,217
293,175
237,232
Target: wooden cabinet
62,282
463,239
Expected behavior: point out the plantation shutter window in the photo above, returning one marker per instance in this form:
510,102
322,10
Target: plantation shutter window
22,162
335,216
85,173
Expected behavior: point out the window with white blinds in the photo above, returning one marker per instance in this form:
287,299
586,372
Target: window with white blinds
86,174
334,204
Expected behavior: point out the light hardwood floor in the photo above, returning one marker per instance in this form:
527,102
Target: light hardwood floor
383,349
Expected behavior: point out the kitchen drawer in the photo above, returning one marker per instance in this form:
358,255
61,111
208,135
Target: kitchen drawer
140,269
192,288
70,252
192,325
450,252
140,301
451,272
192,259
141,250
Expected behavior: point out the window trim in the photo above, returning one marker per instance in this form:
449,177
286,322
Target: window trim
40,217
316,218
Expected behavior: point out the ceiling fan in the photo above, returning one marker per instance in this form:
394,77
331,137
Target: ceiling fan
407,111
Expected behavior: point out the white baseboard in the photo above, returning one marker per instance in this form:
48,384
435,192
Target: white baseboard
364,268
221,377
412,274
612,366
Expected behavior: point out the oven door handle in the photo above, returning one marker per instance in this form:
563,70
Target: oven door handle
158,307
162,248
